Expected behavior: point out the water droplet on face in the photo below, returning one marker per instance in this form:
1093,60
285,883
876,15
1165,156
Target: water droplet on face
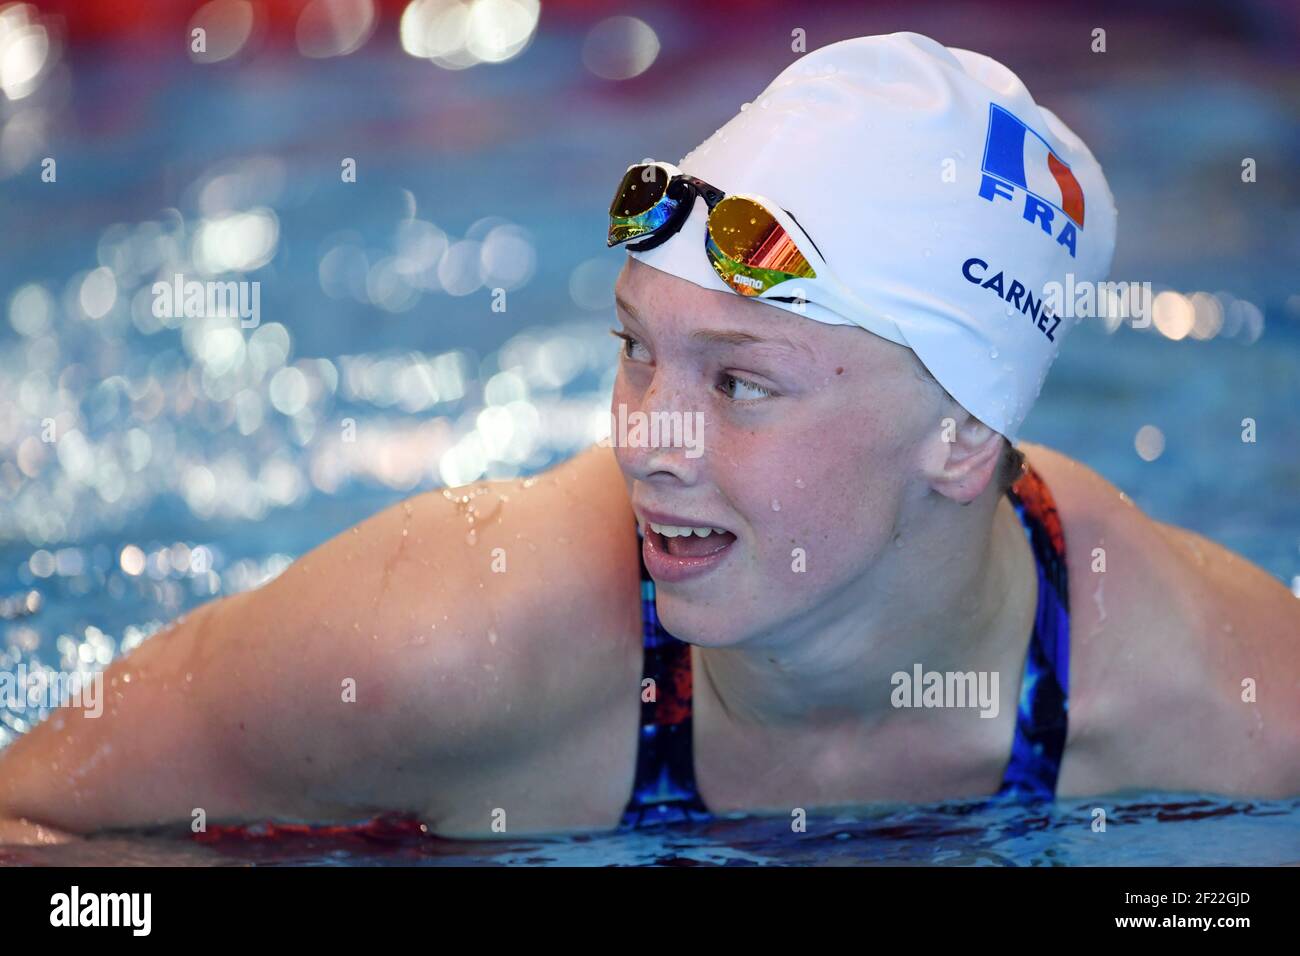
798,482
472,537
776,505
492,637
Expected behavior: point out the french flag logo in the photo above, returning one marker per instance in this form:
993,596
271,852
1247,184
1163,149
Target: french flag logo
1017,155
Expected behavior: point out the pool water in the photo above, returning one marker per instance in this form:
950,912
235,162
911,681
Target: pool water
1140,830
195,459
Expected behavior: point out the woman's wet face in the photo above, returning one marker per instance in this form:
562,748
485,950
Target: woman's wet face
799,438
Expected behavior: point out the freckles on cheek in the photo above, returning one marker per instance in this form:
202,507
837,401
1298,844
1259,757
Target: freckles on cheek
623,392
780,484
745,461
830,482
749,471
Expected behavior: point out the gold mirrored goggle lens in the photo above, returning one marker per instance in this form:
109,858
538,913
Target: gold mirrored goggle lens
757,251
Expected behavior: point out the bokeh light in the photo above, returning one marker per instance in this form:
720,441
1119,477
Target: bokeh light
620,47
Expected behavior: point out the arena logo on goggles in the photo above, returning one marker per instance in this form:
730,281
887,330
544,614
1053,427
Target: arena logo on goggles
1018,158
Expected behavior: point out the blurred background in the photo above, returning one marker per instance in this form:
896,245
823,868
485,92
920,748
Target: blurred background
148,463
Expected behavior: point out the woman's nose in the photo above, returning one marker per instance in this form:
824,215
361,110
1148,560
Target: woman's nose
664,434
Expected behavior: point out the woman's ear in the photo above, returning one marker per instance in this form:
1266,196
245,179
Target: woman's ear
966,459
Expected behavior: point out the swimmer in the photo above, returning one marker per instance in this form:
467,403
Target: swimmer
644,635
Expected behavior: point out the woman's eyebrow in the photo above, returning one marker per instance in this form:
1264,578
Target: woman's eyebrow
734,337
625,306
726,336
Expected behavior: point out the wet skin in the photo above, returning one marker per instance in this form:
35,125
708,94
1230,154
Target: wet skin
518,689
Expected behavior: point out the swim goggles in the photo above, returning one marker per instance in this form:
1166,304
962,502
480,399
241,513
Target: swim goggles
756,247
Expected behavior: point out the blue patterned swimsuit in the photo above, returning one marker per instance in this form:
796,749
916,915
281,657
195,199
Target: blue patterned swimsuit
665,791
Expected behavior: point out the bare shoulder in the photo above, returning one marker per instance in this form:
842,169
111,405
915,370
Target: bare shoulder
1185,657
472,623
529,595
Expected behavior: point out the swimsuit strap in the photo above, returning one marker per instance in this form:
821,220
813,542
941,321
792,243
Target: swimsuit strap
1042,710
665,790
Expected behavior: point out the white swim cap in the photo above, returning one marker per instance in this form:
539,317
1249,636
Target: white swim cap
937,190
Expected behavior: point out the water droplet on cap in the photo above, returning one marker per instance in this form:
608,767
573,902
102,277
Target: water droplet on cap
776,505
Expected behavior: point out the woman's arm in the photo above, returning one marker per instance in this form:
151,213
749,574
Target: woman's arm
27,833
418,641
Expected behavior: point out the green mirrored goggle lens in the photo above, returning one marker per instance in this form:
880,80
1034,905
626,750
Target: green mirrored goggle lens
641,203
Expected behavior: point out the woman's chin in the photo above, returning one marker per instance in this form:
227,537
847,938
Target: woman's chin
705,625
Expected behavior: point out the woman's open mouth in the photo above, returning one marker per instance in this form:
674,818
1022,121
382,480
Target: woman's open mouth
674,552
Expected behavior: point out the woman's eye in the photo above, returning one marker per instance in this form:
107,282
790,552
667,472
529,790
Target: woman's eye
629,343
740,390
